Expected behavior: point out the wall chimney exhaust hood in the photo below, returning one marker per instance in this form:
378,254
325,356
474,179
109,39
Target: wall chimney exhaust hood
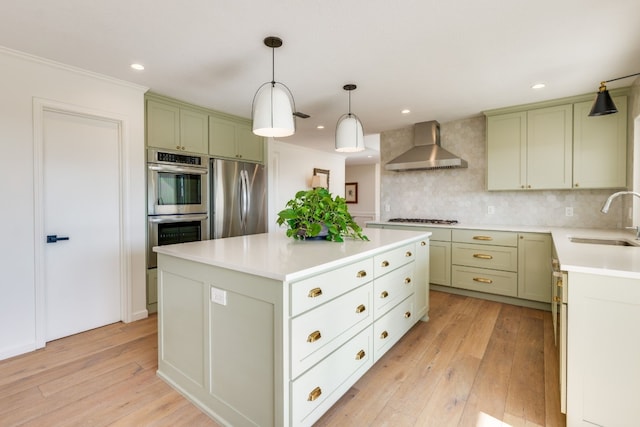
426,152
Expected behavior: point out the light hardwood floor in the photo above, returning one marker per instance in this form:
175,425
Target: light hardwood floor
475,363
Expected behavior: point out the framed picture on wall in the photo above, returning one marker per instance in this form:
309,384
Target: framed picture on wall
351,192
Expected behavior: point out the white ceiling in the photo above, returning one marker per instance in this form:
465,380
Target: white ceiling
443,60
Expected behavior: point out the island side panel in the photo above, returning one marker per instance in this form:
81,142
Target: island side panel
230,323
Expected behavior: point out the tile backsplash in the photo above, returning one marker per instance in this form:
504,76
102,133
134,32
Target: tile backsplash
461,193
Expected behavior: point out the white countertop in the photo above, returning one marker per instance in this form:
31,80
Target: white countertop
621,261
276,256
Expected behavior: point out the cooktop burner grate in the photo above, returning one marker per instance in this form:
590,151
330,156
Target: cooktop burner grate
425,220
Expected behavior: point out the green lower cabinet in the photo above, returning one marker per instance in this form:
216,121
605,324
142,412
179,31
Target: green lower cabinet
534,266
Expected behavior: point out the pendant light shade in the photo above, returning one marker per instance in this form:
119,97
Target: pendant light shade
603,104
272,111
349,131
273,104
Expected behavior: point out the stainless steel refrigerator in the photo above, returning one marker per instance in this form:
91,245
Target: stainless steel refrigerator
238,198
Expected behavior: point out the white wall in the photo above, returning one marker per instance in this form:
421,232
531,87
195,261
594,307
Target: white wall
366,176
24,78
290,168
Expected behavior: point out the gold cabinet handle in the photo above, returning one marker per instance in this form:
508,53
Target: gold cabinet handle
408,254
315,292
407,280
360,308
360,355
559,283
177,147
314,336
482,256
385,263
384,294
482,280
361,274
557,299
423,243
485,238
384,334
315,393
407,314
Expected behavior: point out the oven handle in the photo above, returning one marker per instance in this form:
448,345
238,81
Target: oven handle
165,219
177,169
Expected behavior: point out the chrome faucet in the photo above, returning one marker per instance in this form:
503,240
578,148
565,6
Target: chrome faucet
607,205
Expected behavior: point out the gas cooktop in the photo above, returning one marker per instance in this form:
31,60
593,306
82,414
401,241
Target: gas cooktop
425,220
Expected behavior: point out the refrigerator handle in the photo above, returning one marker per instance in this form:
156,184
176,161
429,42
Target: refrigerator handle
247,197
243,199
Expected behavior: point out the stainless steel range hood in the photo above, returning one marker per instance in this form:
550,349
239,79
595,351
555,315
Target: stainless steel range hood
426,152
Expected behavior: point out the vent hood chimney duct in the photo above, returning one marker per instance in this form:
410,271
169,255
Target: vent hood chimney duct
426,152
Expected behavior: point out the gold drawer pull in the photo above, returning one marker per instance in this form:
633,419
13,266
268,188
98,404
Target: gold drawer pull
408,254
360,355
385,263
559,283
407,280
407,315
315,292
314,336
482,280
423,243
482,256
361,273
384,335
315,393
360,308
384,294
557,299
486,238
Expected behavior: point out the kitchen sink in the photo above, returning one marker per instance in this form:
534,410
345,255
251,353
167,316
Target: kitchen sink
610,242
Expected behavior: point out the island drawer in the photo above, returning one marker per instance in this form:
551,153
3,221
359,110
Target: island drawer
314,291
484,256
319,388
392,288
390,260
392,326
485,237
317,333
483,280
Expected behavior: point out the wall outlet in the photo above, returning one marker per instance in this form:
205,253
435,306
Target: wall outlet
219,296
491,210
568,211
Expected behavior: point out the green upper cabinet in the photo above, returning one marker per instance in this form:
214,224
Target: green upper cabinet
176,127
530,149
556,145
234,139
600,147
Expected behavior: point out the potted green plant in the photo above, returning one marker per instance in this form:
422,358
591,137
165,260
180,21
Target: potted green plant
316,214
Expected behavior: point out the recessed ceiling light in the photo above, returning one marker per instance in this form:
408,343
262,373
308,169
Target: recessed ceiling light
538,86
320,127
405,111
137,67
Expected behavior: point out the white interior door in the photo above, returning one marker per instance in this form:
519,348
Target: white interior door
81,201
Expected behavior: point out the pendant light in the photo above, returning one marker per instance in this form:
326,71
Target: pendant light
349,132
273,104
603,104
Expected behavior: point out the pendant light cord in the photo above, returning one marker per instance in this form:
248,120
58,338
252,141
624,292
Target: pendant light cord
620,78
273,66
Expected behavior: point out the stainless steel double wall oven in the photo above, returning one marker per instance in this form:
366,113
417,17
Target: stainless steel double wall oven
178,199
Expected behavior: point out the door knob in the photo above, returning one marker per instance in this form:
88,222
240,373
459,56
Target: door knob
53,238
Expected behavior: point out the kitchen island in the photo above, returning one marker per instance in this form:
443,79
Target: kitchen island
265,330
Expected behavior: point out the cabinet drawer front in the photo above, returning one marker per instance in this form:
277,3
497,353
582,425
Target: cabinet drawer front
479,279
319,388
485,237
483,256
388,261
439,234
314,291
392,288
318,332
392,326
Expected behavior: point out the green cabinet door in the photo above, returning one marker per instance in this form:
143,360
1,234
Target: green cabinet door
534,266
506,151
163,125
235,140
